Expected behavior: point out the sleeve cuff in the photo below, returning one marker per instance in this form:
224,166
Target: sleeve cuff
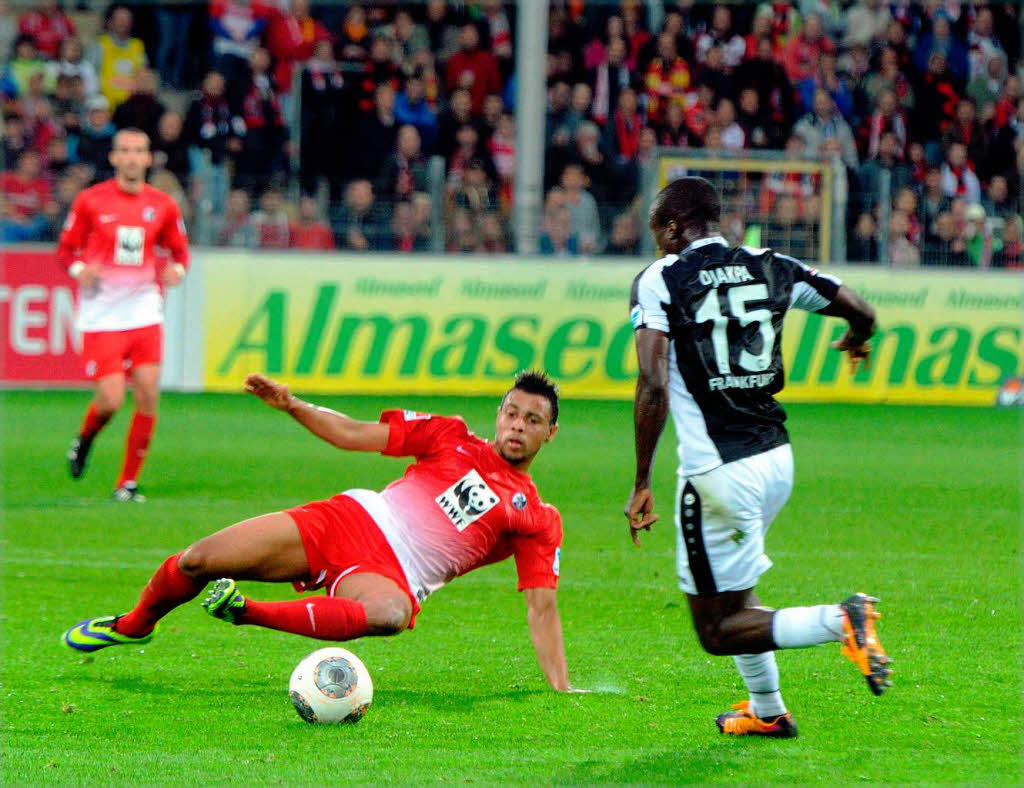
75,269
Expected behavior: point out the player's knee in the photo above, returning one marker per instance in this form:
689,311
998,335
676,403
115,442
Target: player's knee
388,616
197,562
108,402
712,640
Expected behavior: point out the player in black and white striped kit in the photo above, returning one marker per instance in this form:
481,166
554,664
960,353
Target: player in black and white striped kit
708,325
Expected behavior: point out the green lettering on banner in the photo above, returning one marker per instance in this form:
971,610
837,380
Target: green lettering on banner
801,366
271,312
460,356
1005,359
383,330
620,353
899,364
564,339
315,330
833,360
954,356
517,347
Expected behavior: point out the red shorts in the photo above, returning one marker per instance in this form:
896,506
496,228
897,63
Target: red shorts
110,352
341,539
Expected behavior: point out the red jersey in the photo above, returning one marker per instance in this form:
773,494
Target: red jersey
460,506
26,198
122,233
47,31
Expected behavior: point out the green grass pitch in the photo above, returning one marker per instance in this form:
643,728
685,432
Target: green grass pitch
918,505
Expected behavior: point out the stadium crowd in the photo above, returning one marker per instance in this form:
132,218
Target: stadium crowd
286,126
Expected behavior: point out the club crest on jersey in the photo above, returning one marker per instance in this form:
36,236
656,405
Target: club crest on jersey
519,501
148,214
467,500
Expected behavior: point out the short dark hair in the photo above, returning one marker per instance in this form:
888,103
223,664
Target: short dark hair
537,382
689,201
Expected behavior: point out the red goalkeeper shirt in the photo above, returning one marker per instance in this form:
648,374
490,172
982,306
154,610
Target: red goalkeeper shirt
460,506
128,235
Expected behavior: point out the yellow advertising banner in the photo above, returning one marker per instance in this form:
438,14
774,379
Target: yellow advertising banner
434,325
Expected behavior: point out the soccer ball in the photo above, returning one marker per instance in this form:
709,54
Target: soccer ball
331,685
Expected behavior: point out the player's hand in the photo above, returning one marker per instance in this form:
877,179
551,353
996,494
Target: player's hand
640,512
90,275
275,394
858,350
172,275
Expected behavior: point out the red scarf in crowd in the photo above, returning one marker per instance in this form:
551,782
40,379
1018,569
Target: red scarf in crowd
627,132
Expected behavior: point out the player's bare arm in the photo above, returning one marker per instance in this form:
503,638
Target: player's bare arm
546,635
851,306
650,411
329,425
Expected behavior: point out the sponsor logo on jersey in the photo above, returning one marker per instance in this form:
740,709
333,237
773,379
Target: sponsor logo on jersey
467,500
148,214
413,415
557,563
129,245
106,218
519,501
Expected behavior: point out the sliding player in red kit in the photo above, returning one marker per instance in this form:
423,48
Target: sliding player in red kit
109,246
464,503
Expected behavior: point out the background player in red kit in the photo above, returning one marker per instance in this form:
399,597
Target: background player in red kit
465,502
109,246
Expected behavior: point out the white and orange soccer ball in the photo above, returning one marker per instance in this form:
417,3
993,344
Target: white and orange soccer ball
331,685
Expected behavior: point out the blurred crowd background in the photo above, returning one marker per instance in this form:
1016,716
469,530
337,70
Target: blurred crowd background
392,126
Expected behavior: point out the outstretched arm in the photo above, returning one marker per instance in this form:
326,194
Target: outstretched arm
546,634
329,425
650,411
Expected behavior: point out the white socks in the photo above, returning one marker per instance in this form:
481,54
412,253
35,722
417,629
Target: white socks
761,675
799,627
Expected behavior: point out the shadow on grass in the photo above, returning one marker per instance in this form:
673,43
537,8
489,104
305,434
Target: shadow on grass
449,701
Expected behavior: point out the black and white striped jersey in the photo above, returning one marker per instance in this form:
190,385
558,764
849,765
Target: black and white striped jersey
722,308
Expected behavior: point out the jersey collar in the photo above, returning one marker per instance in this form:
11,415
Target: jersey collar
711,239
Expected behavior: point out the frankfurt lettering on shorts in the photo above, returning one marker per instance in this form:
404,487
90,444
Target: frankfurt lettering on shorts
467,500
740,381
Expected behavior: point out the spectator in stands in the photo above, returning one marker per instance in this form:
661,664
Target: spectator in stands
966,129
556,236
1012,254
902,253
982,43
947,246
71,63
906,203
237,228
579,108
666,79
500,32
493,239
585,222
271,221
353,42
237,27
327,137
308,231
625,235
608,78
774,89
48,26
502,147
25,63
760,133
378,70
731,132
459,114
865,23
463,235
997,201
473,68
475,191
673,132
412,107
958,179
28,205
941,40
936,103
404,237
142,109
117,56
890,76
721,36
825,132
887,160
933,201
173,25
888,117
265,146
827,78
69,103
378,132
468,148
986,88
805,49
359,224
407,38
292,36
212,133
863,244
8,32
96,139
170,151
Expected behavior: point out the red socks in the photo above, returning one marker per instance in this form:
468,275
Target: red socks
167,589
139,433
93,423
322,617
